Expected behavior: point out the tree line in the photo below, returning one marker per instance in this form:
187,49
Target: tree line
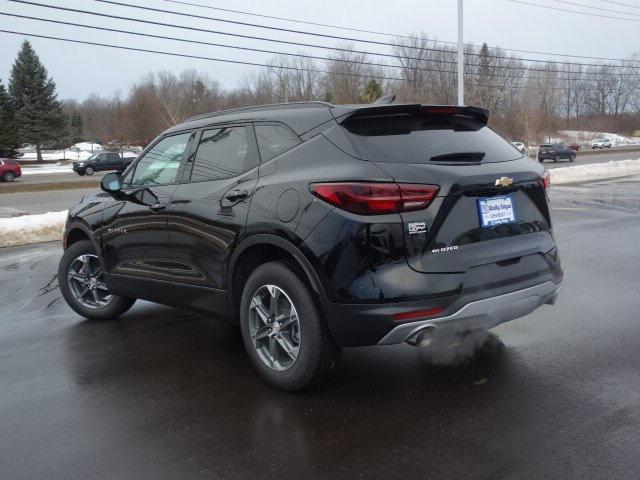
529,101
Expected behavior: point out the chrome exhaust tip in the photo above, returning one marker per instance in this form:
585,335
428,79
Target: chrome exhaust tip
422,337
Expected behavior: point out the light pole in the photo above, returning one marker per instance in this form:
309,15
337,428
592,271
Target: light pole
460,57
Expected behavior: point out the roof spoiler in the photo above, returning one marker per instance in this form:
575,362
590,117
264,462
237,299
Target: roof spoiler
478,114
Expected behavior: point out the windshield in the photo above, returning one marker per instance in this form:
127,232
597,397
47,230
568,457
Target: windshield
424,137
94,156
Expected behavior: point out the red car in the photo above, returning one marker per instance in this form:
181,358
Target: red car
9,170
574,146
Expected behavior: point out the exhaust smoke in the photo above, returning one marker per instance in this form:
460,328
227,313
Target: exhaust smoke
461,349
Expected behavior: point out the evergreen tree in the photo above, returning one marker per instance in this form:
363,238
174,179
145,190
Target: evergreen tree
38,115
484,77
329,96
71,132
372,92
8,138
75,128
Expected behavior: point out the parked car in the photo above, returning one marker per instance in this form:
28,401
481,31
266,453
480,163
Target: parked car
316,227
575,147
102,161
601,143
555,151
9,170
520,146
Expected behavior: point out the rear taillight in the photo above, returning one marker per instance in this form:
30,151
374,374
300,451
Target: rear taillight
545,180
372,198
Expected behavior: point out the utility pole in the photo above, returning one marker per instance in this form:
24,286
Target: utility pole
460,57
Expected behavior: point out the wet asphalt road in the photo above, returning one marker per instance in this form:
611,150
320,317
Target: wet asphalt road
163,393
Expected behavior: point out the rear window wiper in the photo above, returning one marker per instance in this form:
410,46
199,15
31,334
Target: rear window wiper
459,157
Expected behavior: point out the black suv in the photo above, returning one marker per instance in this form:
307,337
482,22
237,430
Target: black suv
317,227
555,151
102,161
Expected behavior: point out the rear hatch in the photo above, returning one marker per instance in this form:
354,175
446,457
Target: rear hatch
491,211
546,150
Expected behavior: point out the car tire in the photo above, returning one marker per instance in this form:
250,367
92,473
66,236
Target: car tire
80,173
572,158
8,177
89,170
108,306
297,353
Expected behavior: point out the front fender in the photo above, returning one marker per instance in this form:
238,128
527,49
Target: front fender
74,224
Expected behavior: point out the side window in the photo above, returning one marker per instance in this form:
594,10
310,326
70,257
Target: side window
160,165
274,140
222,153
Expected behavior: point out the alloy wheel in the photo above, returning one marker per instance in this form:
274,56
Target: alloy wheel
274,327
85,279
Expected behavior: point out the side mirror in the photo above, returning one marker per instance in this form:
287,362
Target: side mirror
111,183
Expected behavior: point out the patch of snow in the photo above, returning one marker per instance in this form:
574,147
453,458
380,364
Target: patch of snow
46,169
44,227
79,151
55,155
88,147
585,138
594,171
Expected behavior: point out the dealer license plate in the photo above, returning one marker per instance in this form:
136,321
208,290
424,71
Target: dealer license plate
496,210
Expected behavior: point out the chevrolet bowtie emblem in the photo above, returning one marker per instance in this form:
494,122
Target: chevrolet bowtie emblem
504,181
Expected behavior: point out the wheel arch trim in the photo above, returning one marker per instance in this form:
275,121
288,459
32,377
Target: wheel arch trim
270,239
76,224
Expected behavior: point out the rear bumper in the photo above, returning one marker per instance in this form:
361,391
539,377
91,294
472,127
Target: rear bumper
370,324
482,314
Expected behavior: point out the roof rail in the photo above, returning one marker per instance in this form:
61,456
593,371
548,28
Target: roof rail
270,106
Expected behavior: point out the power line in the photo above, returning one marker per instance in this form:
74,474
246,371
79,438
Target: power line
285,19
574,11
257,25
212,44
287,42
217,32
256,64
197,57
621,4
596,8
375,32
323,35
298,55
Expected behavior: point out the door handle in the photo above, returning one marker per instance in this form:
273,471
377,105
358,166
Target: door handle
235,195
156,207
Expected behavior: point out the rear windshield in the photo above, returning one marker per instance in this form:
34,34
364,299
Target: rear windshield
427,138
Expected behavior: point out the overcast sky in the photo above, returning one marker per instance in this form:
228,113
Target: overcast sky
80,70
